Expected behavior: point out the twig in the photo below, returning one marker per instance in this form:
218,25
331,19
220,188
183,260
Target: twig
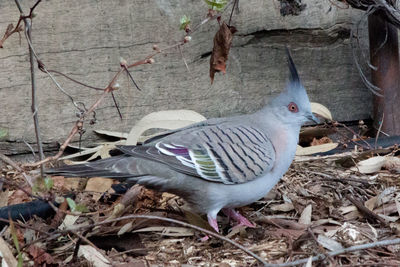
183,58
125,66
10,162
233,8
379,129
208,232
28,32
75,81
354,133
364,210
321,257
116,105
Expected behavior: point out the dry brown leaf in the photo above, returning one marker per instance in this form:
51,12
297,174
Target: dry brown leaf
371,203
323,140
4,198
74,184
99,185
287,206
222,45
39,255
19,196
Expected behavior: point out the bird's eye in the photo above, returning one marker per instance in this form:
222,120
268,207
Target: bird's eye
293,107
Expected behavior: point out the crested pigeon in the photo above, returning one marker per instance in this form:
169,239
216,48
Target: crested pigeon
217,164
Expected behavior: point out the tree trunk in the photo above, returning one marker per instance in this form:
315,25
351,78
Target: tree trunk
384,55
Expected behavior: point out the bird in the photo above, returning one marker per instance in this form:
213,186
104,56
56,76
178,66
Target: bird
218,164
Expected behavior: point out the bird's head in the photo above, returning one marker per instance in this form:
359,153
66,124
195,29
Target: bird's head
292,106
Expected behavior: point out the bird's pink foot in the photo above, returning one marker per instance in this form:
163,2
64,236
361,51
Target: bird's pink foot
241,220
214,224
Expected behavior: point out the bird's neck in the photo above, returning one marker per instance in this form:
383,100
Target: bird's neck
285,139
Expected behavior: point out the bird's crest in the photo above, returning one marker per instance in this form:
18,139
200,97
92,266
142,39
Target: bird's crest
293,76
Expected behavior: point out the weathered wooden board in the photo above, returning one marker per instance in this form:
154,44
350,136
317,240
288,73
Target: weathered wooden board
86,38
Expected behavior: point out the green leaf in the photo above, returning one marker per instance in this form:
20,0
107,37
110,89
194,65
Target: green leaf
71,204
216,4
76,207
20,260
3,133
185,20
81,208
48,183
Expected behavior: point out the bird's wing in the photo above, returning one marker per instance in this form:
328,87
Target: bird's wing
229,154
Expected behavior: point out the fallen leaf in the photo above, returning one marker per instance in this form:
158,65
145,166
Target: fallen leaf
68,222
222,45
323,140
93,256
371,203
309,262
370,165
287,206
112,134
19,196
392,164
166,119
6,254
4,198
99,185
305,217
397,206
39,255
329,243
321,110
303,151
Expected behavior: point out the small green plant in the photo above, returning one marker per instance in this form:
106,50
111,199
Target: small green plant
43,185
185,21
16,243
217,5
76,207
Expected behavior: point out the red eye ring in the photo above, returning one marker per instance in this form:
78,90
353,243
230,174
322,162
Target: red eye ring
292,107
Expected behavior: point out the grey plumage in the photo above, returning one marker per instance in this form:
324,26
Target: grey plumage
219,163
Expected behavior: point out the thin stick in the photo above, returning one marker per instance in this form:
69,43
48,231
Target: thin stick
28,32
379,130
233,8
208,232
321,257
10,162
364,210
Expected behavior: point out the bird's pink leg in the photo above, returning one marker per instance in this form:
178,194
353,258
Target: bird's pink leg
232,214
213,223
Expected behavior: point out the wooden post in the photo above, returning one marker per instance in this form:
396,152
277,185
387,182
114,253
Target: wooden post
384,54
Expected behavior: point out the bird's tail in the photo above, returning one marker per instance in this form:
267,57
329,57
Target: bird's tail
117,167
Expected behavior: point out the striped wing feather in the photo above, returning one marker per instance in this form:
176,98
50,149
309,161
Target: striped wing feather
225,154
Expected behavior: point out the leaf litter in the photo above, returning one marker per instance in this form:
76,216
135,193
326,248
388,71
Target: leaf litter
306,213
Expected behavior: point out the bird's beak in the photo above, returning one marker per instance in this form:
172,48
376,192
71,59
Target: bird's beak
312,117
